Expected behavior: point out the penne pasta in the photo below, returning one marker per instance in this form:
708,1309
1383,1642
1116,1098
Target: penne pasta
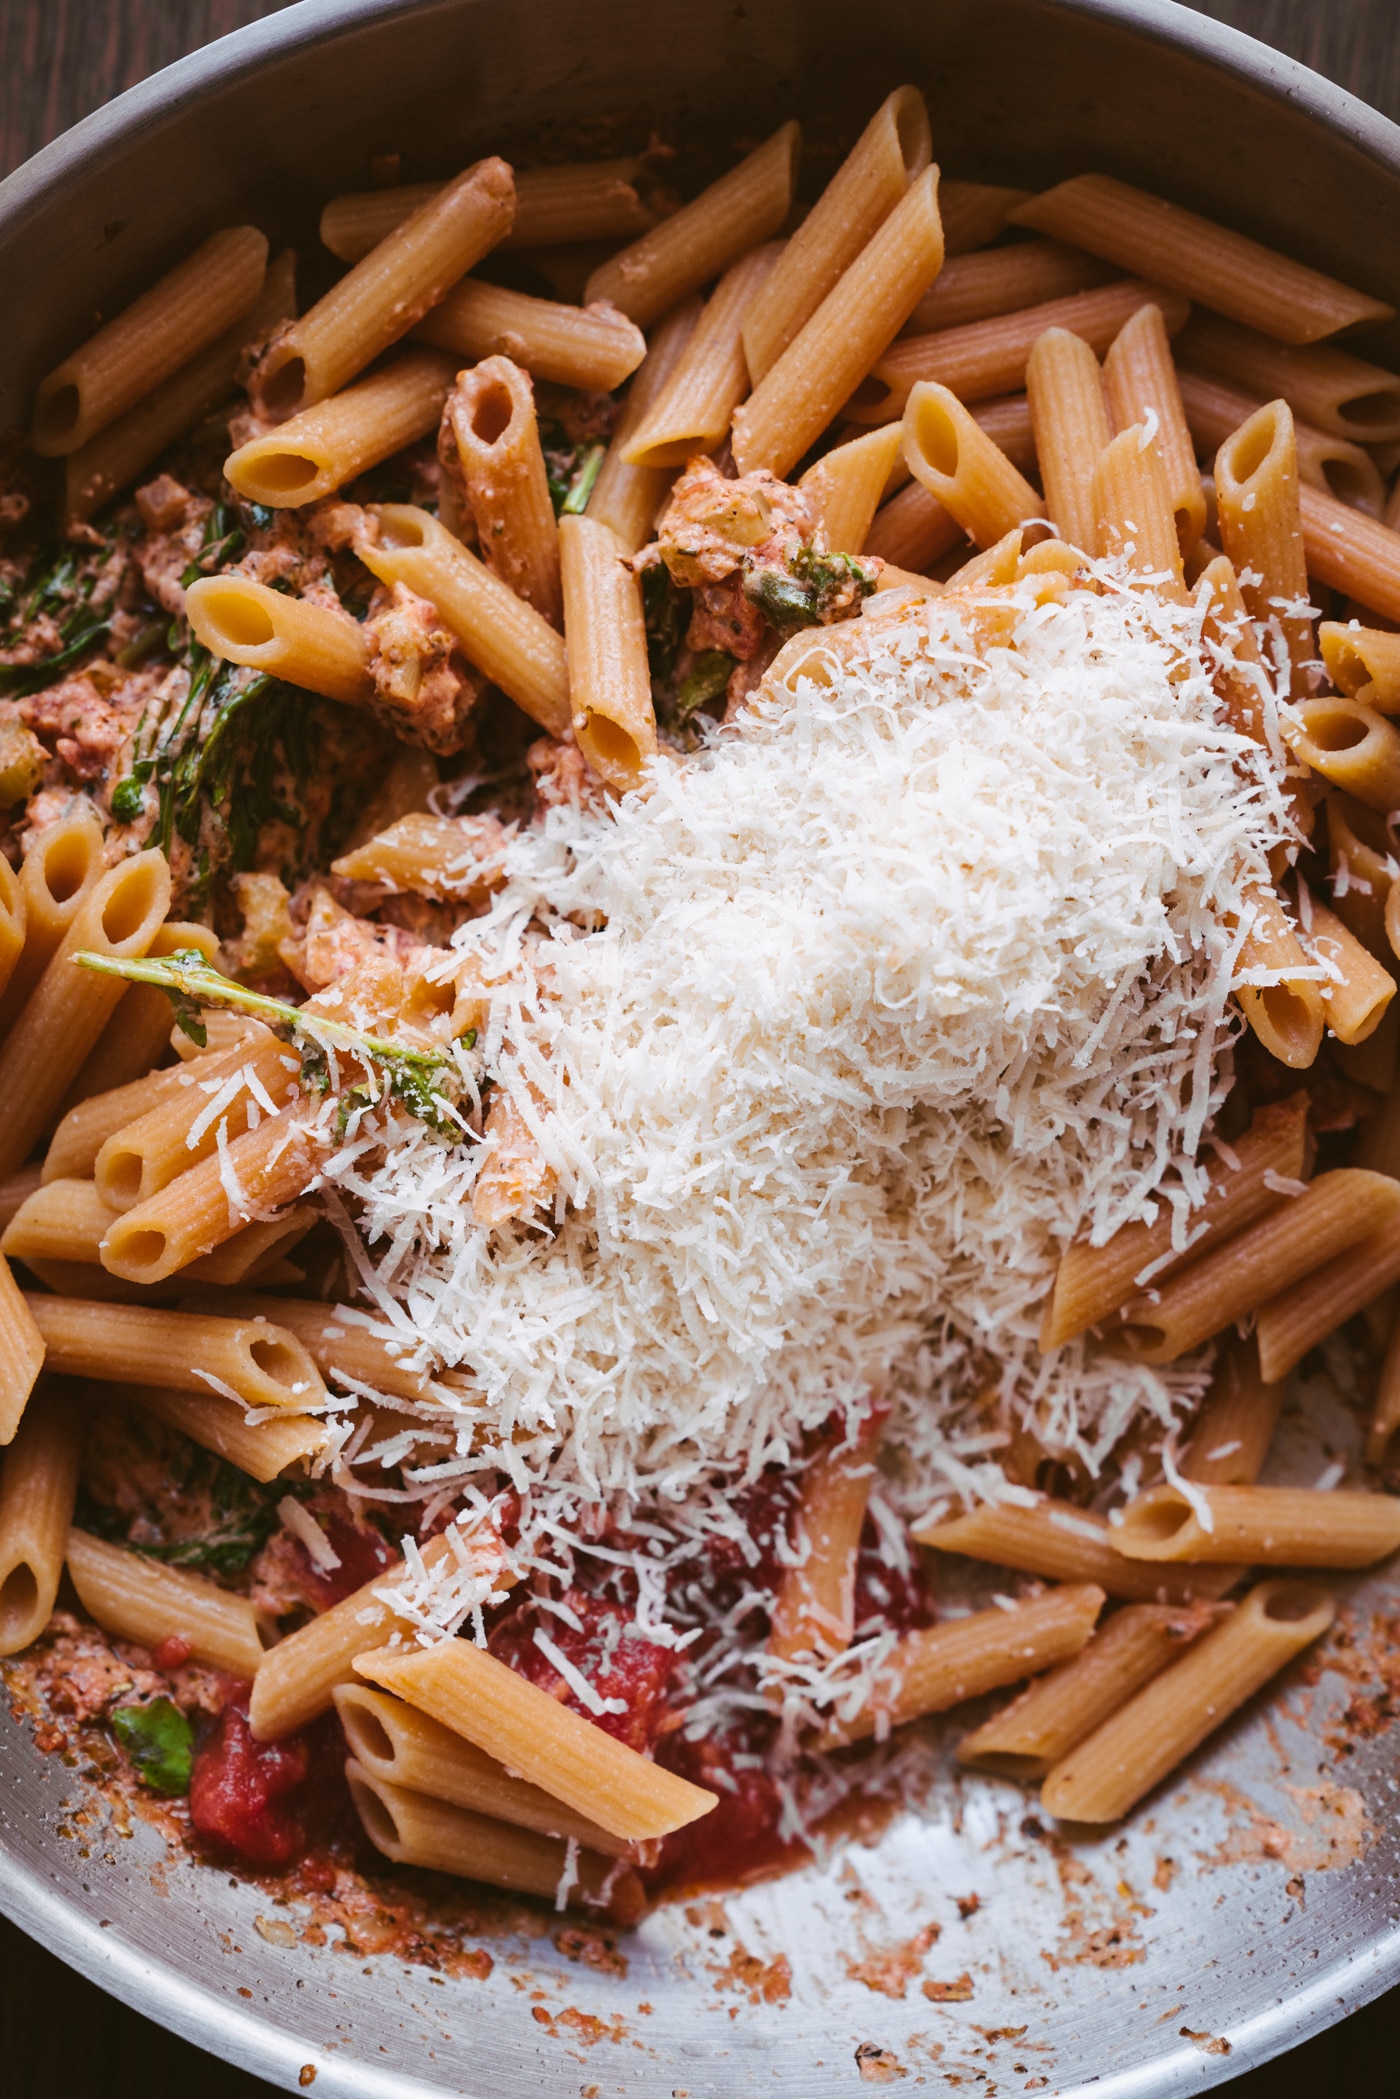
1242,684
1134,518
1059,1709
336,1338
1008,423
252,1361
61,867
1287,1014
1233,1431
1353,746
138,1599
693,410
583,201
499,632
1363,662
1352,552
249,1254
12,923
69,1007
892,151
960,466
987,358
1132,1751
386,293
1385,1415
844,488
138,1033
73,1148
414,1829
1335,465
1358,990
1140,385
1325,387
343,434
15,1191
22,1351
262,1449
978,287
149,341
113,459
1069,418
1296,1320
205,1205
1206,261
1067,1544
593,347
403,1747
627,499
929,1671
699,242
537,1739
609,681
1094,1281
974,213
913,529
145,1155
1256,488
1269,1526
856,321
814,1612
60,1221
1335,1211
1362,869
307,644
38,1486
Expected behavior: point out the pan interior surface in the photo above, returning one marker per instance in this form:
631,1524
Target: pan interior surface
957,1937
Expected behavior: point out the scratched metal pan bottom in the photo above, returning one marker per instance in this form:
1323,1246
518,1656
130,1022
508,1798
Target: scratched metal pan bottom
1257,1897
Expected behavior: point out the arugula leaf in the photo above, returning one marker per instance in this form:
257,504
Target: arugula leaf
704,682
581,486
666,611
159,1741
804,594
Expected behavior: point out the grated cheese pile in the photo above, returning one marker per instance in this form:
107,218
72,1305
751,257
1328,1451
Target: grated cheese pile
835,1037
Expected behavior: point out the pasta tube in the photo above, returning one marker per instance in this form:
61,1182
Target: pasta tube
1334,465
844,488
857,320
403,1747
413,1829
145,1155
627,498
1256,488
492,416
1358,991
1030,1735
1140,383
38,1486
1352,552
206,1204
1353,746
592,347
1004,280
309,645
1362,870
252,1361
74,1146
60,1221
335,1338
1094,1281
974,213
113,459
69,1007
1208,262
1066,1544
1296,1320
148,342
1334,1212
693,411
1325,387
892,150
1287,1015
913,529
1363,662
262,1449
342,435
1131,1752
1233,1431
1268,1526
814,1611
21,1353
138,1599
986,358
583,201
503,636
945,1664
609,680
15,1190
1070,419
386,293
1385,1416
64,863
961,467
698,242
1134,521
538,1739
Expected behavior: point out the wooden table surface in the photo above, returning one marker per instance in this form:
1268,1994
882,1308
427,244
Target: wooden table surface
60,2037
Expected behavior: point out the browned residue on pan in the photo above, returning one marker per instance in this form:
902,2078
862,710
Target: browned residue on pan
1333,1828
889,1970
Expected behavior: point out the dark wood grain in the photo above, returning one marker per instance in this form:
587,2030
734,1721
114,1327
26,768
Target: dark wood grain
60,59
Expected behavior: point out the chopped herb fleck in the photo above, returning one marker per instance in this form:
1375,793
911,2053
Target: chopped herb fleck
159,1741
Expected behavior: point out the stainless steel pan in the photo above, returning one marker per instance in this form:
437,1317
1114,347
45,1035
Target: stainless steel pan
1257,1898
